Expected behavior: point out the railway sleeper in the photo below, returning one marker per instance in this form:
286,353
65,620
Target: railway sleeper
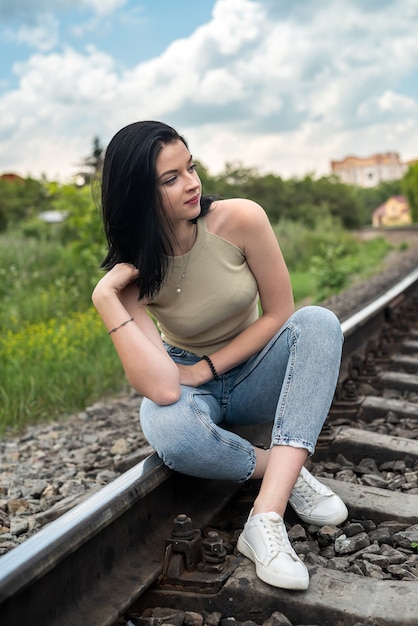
398,380
372,407
356,444
349,405
380,354
410,346
380,505
404,362
333,599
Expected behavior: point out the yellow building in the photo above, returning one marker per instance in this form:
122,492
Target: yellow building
394,212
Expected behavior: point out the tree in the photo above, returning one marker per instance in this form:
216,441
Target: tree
410,190
306,200
21,198
91,164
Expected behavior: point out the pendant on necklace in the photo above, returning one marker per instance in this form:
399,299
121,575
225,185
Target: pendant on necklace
178,288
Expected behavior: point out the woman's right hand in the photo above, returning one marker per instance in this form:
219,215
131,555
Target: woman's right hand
115,280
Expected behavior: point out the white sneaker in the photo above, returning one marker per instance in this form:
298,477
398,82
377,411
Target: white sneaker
264,540
315,503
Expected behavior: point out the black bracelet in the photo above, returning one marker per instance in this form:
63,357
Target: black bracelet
211,365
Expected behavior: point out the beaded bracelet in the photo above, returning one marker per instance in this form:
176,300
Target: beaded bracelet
113,330
211,365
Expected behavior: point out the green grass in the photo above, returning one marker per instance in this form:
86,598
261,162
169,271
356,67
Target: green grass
55,367
41,280
370,256
54,352
304,287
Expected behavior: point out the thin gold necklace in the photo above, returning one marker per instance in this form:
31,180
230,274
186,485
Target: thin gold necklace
178,284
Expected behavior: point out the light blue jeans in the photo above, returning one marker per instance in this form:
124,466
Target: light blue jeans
291,382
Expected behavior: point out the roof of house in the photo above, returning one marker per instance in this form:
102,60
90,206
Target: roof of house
401,200
12,177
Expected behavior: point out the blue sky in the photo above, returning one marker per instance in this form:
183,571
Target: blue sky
278,85
136,32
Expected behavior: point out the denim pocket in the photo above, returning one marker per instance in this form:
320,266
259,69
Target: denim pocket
179,355
175,352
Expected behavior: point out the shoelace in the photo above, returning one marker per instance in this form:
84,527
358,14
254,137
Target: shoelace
277,538
309,488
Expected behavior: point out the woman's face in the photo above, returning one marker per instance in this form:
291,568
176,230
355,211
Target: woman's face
178,182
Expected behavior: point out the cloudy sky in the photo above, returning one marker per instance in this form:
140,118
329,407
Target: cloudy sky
284,86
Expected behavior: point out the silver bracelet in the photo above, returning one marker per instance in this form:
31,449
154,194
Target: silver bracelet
113,330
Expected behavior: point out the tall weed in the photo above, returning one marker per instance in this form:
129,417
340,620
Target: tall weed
53,367
325,259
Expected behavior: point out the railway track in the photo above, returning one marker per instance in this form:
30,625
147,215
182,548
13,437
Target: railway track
119,553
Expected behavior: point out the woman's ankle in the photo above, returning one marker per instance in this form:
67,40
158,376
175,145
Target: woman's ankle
261,506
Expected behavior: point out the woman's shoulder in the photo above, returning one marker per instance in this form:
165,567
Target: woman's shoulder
233,217
233,205
240,209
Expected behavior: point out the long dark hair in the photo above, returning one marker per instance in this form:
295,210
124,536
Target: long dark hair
135,223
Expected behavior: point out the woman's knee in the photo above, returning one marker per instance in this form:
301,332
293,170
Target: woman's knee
173,432
157,425
318,319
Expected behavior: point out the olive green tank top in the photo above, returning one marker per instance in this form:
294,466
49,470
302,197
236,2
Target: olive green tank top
209,295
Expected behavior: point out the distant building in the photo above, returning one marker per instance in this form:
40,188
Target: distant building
53,217
12,177
394,212
369,171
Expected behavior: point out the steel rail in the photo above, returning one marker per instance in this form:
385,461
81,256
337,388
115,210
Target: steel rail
361,326
63,536
375,308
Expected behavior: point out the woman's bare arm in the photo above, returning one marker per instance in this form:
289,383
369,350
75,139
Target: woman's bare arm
147,365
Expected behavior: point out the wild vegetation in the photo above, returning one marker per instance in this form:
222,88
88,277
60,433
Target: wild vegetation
55,355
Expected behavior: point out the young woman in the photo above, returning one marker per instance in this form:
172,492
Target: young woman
201,266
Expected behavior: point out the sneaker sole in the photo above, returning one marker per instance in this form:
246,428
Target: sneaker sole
276,580
334,519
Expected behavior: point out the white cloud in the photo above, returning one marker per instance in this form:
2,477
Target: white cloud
284,88
43,35
48,123
396,103
238,22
